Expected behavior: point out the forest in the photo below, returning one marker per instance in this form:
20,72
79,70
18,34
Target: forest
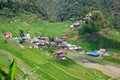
62,10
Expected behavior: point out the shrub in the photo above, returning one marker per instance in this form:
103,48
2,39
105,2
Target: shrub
88,27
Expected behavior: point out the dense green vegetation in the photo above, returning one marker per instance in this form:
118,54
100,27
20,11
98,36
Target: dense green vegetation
12,8
61,10
105,17
77,9
100,31
48,65
96,23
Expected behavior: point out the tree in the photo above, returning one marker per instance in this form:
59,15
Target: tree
95,24
88,27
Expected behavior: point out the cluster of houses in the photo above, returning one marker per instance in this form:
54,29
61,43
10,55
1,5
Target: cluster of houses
78,23
60,42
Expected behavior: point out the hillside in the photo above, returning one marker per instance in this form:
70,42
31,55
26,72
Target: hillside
62,10
48,65
48,23
13,8
52,8
66,9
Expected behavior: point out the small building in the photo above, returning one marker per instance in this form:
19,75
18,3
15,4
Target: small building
64,37
75,25
63,45
94,54
90,14
59,54
27,36
79,49
87,17
8,34
102,51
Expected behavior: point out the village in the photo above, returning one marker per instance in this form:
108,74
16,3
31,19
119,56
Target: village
58,42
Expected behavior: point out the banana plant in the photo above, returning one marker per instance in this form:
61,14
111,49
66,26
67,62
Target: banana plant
12,70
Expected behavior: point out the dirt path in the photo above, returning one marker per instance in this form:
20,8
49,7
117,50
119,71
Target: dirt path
111,70
21,46
107,69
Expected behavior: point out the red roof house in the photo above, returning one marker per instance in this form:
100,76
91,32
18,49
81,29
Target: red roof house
8,34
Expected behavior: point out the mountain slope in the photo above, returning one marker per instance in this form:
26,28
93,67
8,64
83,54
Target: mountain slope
12,8
50,68
52,7
62,10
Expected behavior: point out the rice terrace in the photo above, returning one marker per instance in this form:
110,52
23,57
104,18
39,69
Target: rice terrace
59,40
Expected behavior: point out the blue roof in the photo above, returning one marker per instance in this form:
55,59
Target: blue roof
95,54
21,39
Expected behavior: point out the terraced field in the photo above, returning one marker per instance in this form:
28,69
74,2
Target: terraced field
50,68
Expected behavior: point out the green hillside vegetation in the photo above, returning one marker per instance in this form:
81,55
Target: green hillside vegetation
48,65
50,18
51,7
31,25
77,9
62,10
12,8
96,33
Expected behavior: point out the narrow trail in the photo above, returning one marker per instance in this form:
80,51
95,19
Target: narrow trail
21,46
108,69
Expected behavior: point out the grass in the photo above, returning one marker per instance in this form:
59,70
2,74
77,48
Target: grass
110,45
3,60
114,60
50,68
35,28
